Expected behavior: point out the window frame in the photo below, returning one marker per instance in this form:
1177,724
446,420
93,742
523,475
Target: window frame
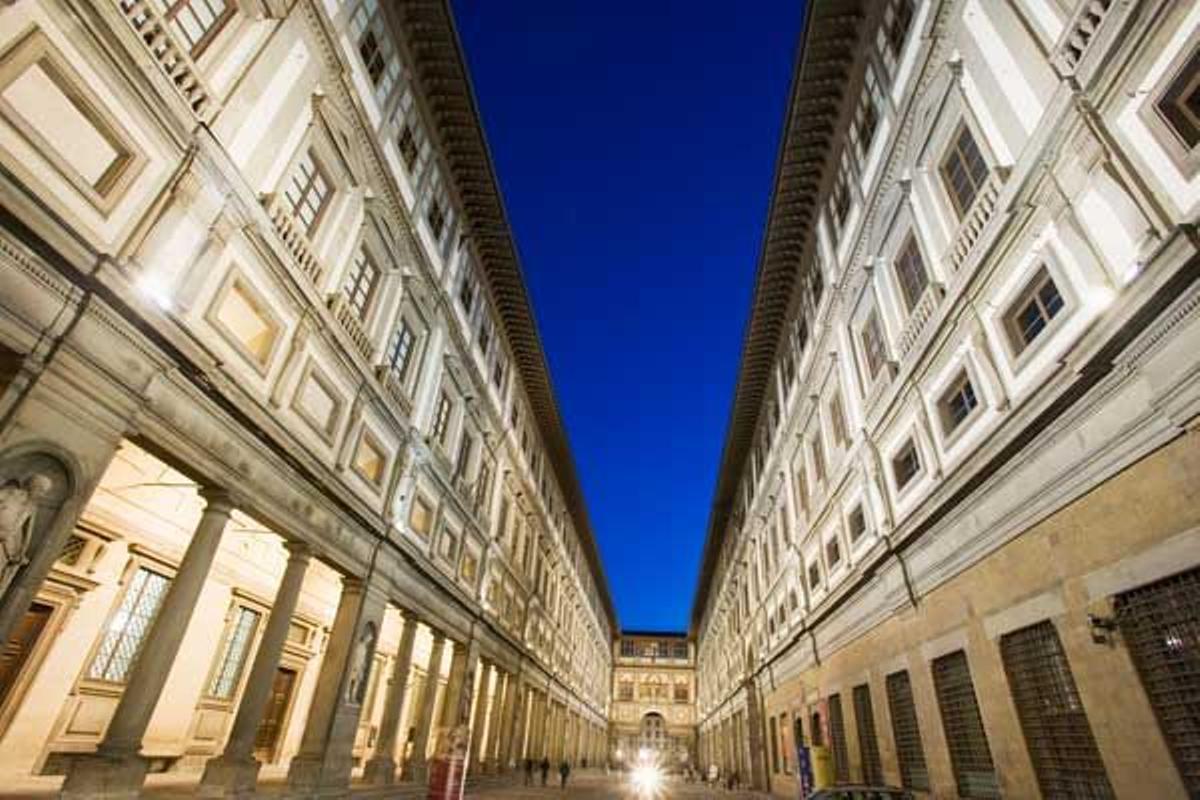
197,49
1031,291
908,254
952,149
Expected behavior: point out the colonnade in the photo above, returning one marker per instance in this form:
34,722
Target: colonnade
507,716
726,744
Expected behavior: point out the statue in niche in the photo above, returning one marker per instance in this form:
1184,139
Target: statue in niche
360,665
18,501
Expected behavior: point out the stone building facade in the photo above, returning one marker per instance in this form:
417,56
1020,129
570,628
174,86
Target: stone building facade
956,533
653,708
283,483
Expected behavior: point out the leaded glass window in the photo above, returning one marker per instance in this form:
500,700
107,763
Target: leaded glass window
237,648
129,626
308,191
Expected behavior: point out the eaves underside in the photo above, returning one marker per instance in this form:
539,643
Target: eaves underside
828,43
443,76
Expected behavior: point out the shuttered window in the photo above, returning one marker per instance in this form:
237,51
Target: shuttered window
1056,728
868,743
907,732
970,756
1160,623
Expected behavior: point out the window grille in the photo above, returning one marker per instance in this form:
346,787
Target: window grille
872,342
308,191
868,743
1034,308
129,626
360,284
197,22
1160,623
964,170
910,271
400,350
1052,717
897,20
225,680
837,735
907,732
969,754
957,403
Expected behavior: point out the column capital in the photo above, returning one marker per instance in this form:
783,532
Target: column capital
353,583
216,499
408,615
298,550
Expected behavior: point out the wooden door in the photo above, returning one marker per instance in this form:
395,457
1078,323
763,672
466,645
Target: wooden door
16,650
270,730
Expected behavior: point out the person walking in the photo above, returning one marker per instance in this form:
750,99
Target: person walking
564,770
545,766
529,772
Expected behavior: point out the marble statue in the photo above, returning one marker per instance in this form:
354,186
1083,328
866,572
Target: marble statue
18,501
360,665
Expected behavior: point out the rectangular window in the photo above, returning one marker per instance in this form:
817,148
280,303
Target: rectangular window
957,403
420,517
801,490
872,343
410,150
375,47
837,417
897,21
1180,103
1161,628
128,627
833,553
818,454
466,289
233,660
1056,728
465,449
1039,302
910,272
360,283
197,22
485,334
839,197
970,755
837,733
498,370
441,420
906,464
963,170
774,745
681,693
448,545
801,336
857,522
906,732
814,576
625,689
436,217
400,350
868,743
866,114
308,192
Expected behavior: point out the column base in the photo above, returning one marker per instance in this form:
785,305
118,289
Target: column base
315,777
416,771
228,777
380,771
101,776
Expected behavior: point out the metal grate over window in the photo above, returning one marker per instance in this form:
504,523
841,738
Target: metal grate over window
1160,623
907,733
974,771
837,734
1056,728
868,744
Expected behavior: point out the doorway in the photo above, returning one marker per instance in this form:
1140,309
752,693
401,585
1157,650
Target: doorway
17,649
270,730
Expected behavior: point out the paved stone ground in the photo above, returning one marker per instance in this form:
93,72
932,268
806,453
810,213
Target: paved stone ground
584,786
595,787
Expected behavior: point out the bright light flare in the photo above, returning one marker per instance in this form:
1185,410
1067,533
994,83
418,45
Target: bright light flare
647,780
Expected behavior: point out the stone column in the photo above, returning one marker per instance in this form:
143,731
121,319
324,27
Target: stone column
512,741
417,768
116,770
325,760
754,738
475,763
381,768
235,772
493,757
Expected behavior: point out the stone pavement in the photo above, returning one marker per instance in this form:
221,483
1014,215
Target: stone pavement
594,786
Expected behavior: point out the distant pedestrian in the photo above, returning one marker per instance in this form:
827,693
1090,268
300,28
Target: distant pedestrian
529,772
564,770
545,767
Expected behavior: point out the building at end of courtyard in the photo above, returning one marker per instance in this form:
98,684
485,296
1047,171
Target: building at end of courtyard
652,712
956,522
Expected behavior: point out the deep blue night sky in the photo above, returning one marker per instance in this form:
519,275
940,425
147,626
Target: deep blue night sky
635,147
